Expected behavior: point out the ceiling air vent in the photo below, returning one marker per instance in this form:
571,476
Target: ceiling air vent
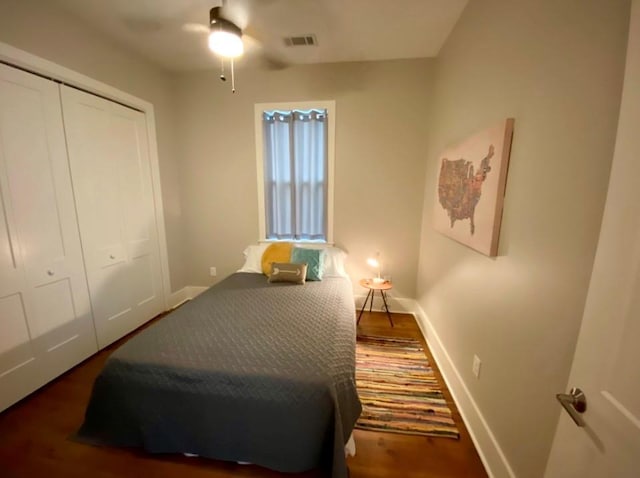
302,40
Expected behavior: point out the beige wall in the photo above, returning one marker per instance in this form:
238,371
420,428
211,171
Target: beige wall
382,111
49,32
556,66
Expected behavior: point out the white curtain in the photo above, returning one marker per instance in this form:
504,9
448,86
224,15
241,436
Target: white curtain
295,170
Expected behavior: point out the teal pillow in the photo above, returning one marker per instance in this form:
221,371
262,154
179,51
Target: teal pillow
314,258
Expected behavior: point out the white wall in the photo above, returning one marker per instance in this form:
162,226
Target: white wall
51,33
556,66
382,111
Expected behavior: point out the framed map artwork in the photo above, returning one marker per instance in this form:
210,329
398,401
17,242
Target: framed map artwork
470,190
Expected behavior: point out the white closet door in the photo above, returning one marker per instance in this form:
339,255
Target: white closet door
45,316
109,157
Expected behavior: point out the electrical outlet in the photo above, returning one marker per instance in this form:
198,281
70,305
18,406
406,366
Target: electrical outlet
476,366
213,272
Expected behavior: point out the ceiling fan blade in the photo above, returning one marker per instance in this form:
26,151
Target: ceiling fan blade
256,48
195,28
152,16
270,62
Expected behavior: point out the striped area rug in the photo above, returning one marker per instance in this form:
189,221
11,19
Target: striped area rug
398,389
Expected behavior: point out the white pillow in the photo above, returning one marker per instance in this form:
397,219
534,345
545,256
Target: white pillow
334,259
253,258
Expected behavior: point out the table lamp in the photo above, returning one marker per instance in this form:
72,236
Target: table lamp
376,264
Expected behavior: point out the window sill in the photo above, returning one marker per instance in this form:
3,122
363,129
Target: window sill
298,241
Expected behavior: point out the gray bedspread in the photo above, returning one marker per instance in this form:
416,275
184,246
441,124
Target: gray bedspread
247,371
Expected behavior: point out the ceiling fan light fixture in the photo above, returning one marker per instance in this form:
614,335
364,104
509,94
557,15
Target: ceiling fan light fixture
225,38
226,44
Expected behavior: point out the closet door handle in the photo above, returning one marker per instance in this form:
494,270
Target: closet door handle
50,273
575,403
111,256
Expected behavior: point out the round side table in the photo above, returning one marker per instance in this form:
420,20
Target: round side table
372,287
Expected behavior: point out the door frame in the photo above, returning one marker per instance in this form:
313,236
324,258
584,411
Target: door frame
22,59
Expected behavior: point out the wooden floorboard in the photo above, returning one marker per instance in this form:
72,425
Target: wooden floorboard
34,437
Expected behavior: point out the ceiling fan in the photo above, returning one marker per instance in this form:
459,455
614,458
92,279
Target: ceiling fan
226,38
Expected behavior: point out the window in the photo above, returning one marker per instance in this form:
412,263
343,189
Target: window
295,149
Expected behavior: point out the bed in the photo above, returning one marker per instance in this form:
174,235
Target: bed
249,371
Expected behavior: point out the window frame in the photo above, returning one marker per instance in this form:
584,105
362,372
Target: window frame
259,109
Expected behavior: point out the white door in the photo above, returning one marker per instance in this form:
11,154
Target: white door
607,362
109,157
45,316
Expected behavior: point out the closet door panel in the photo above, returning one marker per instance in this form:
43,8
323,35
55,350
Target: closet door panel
112,304
53,310
19,373
46,261
20,366
28,149
139,217
7,252
11,273
96,184
96,178
116,211
15,346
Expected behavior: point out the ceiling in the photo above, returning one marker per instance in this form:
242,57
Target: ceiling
345,30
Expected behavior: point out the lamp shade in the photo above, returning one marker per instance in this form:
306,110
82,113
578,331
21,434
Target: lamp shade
225,43
377,265
373,262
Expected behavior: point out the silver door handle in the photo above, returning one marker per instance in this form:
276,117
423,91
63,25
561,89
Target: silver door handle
50,272
575,403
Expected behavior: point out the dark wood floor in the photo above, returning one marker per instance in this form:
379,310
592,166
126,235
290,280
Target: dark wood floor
34,437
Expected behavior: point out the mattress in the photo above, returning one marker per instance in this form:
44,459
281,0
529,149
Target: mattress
248,371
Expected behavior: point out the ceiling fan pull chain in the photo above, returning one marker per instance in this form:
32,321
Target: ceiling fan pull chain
222,77
233,78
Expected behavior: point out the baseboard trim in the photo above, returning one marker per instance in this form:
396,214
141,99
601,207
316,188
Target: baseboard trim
195,290
397,305
179,297
492,456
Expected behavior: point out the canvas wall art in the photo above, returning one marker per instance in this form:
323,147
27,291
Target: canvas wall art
472,177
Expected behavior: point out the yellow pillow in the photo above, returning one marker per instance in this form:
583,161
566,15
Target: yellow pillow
276,252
